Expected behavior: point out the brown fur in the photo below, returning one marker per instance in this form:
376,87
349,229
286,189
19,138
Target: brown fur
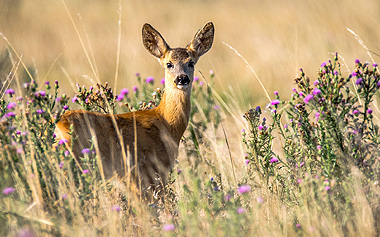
158,130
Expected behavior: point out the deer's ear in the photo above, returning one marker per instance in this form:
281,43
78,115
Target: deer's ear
202,40
154,42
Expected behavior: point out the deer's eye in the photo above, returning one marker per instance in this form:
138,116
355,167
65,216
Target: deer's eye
191,64
169,65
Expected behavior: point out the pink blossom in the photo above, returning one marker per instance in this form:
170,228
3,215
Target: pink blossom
244,189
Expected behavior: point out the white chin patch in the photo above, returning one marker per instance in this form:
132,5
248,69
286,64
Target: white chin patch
181,87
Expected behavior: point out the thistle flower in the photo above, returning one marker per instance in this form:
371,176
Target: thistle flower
244,189
375,65
11,105
247,161
261,127
357,61
74,99
201,83
275,102
216,107
61,164
116,208
243,130
240,210
163,81
308,98
135,88
316,91
356,112
276,93
62,141
10,114
274,160
64,196
10,92
323,64
228,197
124,91
369,111
65,107
168,227
149,80
8,190
119,97
196,78
359,81
86,151
85,171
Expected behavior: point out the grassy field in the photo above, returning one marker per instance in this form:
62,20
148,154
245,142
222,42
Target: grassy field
302,161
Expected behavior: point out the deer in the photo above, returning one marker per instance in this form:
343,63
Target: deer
143,144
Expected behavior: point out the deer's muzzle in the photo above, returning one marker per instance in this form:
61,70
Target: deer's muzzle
182,81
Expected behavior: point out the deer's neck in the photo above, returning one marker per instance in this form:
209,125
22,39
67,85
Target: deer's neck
175,109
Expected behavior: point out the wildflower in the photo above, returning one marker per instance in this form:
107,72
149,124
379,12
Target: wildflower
124,91
64,196
119,97
357,61
294,90
137,74
240,210
369,111
10,114
308,98
201,83
19,150
61,164
168,227
85,171
67,153
10,92
300,93
19,98
8,190
276,93
285,126
261,127
375,65
302,163
317,114
228,197
319,147
316,83
216,107
354,74
40,111
246,154
298,225
62,141
86,151
299,181
378,84
179,170
247,161
196,78
135,88
275,102
65,107
211,72
116,208
243,130
163,81
356,112
11,105
273,160
327,188
359,81
149,80
336,72
316,91
75,99
323,64
244,189
260,199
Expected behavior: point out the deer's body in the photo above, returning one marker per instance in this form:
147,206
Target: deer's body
149,139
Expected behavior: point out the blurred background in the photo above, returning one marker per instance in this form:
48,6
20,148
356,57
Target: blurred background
275,37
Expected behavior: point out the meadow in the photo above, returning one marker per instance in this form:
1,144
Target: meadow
283,137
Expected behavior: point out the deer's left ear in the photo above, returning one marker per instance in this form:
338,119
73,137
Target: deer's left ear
202,40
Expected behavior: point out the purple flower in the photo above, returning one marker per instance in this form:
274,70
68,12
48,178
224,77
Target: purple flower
201,83
354,74
308,98
369,111
62,141
40,111
42,93
119,97
275,102
316,91
285,126
327,188
85,171
64,196
300,93
243,130
65,107
74,99
378,84
316,83
298,225
124,91
228,197
261,127
10,92
216,107
240,210
211,72
168,227
274,160
8,190
11,105
302,163
61,165
135,88
247,161
336,72
299,181
163,81
276,93
356,112
323,64
375,65
116,208
244,189
359,81
10,114
258,108
86,151
137,74
319,147
67,153
196,78
149,80
19,98
357,61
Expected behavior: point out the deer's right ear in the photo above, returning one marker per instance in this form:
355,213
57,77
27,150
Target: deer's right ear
154,42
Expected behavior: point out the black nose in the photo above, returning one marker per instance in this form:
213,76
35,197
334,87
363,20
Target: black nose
182,80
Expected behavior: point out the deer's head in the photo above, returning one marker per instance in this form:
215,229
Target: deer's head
178,62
